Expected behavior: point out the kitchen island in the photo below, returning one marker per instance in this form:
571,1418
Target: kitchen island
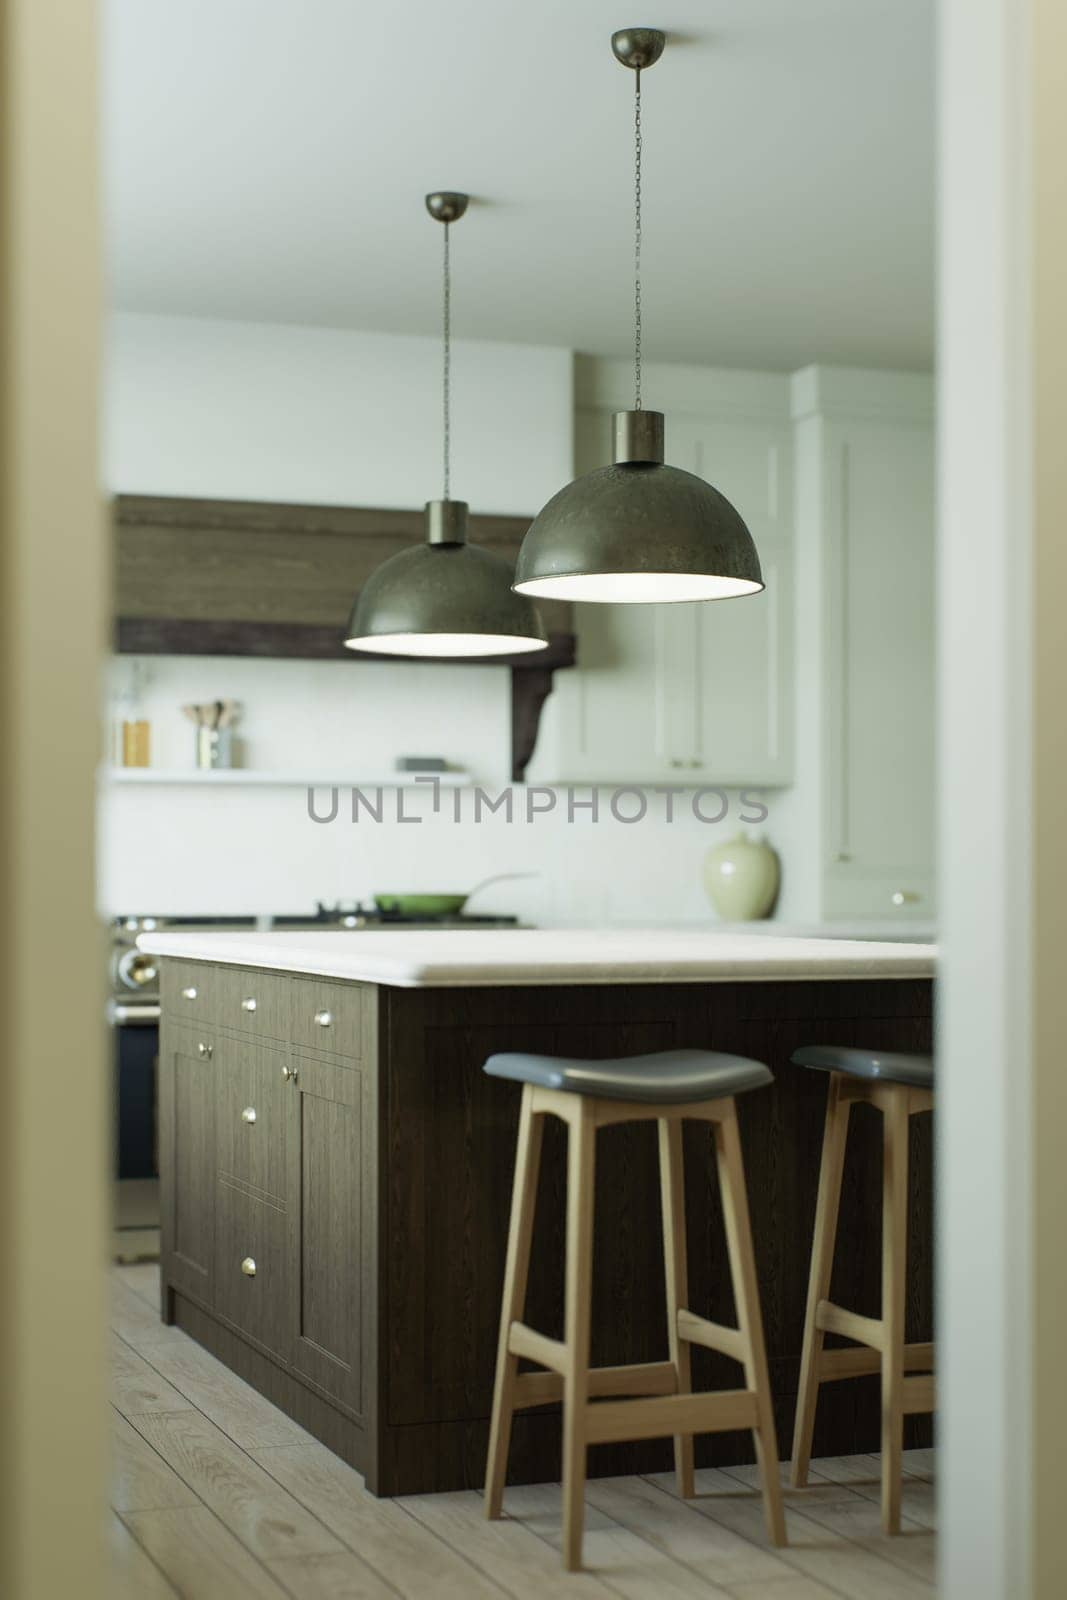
336,1170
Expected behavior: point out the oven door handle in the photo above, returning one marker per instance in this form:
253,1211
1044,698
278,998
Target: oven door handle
133,1013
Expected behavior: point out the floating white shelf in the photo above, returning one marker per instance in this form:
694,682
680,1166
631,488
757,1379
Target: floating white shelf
195,777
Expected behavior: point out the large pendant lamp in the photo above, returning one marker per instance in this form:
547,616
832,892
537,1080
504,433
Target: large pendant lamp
638,531
445,597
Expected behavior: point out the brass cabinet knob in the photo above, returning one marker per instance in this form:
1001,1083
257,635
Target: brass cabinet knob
248,1114
249,1004
248,1267
289,1074
324,1019
189,994
205,1050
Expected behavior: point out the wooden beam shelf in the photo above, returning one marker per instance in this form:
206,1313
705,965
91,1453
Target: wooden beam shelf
249,578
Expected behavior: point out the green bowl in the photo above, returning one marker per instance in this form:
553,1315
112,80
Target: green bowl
421,905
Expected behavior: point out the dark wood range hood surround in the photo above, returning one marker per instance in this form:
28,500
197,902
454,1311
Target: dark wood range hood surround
250,578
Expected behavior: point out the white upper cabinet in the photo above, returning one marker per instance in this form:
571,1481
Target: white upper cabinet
865,529
699,693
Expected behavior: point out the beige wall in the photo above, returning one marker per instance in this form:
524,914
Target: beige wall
53,1149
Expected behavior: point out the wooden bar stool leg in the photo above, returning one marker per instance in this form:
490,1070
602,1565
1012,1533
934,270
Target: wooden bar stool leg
516,1272
894,1277
676,1273
750,1321
581,1168
832,1161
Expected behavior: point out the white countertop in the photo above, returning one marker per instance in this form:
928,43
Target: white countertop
469,958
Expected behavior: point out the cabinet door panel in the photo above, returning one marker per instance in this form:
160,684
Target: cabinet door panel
743,682
327,1247
187,1145
687,693
252,1114
881,571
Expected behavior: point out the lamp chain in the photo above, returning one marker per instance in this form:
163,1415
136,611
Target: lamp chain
637,239
447,372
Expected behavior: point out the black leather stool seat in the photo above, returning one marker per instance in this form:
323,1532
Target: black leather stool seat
885,1066
669,1077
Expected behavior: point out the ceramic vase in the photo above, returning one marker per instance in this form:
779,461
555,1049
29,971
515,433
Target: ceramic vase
741,878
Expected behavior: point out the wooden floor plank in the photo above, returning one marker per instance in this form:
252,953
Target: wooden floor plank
918,1497
246,1500
140,1479
202,1559
921,1463
137,1387
626,1563
794,1587
717,1554
852,1509
337,1577
242,1413
399,1548
143,1278
507,1551
813,1549
850,1470
136,1321
134,1575
858,1517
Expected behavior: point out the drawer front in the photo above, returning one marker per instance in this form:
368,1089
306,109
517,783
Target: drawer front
253,1113
255,1002
332,1016
189,990
251,1288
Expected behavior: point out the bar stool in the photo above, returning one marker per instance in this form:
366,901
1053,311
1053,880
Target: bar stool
900,1086
588,1095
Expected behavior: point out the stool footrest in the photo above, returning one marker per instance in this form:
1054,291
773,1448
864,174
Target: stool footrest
918,1394
525,1341
835,1319
712,1336
649,1378
858,1363
616,1421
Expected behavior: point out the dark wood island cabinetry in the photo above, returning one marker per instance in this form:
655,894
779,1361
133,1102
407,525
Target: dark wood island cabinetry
336,1182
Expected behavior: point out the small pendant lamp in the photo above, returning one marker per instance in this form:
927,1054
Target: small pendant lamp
444,598
638,531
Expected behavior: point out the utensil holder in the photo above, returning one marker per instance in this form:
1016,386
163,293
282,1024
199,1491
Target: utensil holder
214,748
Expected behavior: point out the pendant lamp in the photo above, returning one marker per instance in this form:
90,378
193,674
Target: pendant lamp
638,531
444,598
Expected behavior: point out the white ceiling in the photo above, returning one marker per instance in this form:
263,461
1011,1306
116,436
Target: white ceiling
267,159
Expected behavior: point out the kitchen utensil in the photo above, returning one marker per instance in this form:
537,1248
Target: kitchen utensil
439,905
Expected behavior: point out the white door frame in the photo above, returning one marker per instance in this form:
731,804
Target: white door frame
1003,763
53,584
